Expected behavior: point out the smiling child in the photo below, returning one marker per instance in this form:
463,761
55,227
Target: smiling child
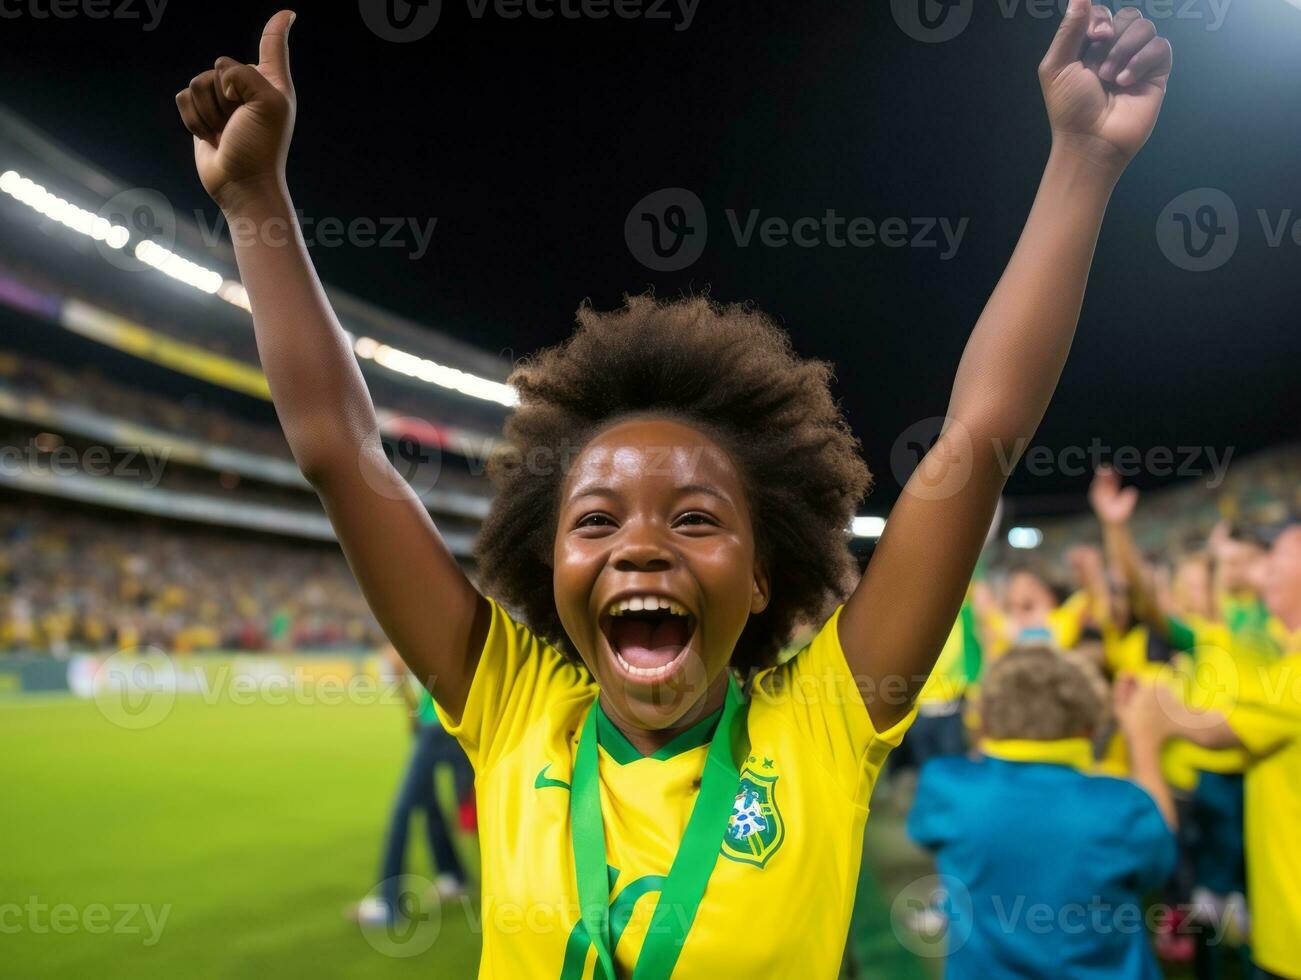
675,500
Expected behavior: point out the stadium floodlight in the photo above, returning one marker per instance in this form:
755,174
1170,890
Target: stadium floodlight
55,208
182,269
867,527
414,366
1025,538
235,294
232,291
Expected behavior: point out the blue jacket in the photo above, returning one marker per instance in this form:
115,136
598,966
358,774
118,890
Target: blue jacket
1044,866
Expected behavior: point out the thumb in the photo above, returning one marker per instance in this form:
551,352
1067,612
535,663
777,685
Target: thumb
1068,45
242,83
273,51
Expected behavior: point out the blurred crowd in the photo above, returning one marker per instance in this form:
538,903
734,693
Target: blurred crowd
1176,671
78,581
190,416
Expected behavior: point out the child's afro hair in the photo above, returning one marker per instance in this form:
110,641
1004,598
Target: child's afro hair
728,371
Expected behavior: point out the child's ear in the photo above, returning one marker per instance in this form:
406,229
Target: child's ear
759,592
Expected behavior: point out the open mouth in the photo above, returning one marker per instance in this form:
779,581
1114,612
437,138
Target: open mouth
648,636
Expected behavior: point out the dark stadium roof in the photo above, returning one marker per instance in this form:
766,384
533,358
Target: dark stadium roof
530,140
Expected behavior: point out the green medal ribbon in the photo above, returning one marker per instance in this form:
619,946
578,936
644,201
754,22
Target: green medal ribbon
692,865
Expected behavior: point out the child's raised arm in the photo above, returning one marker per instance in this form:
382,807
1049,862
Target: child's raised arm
242,118
1103,84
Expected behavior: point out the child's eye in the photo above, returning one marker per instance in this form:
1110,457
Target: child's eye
595,520
695,518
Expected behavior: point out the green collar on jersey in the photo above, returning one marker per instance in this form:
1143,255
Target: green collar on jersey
622,751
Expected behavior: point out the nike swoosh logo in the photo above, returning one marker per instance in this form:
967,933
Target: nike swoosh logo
544,780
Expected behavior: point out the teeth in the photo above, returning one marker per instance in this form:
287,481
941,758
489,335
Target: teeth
644,603
648,673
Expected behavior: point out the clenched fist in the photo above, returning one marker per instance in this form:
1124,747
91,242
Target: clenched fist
1104,80
242,117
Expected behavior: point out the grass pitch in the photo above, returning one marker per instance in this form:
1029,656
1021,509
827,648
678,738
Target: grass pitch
228,838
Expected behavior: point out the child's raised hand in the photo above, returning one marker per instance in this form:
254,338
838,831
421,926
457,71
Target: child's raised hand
1112,503
1104,80
242,116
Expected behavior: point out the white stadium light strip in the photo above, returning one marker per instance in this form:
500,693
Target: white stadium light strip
213,283
167,261
423,368
867,527
65,213
235,294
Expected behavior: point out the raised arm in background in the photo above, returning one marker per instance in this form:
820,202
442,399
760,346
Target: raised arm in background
242,118
1114,506
1103,83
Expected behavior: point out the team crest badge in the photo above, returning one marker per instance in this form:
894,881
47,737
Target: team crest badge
755,830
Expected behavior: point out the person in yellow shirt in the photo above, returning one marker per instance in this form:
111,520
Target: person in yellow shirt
1259,711
1031,612
1181,626
676,494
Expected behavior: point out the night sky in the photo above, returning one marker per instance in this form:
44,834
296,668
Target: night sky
530,140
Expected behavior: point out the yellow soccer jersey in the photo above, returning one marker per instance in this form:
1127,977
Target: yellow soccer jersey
1181,760
1266,717
779,900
